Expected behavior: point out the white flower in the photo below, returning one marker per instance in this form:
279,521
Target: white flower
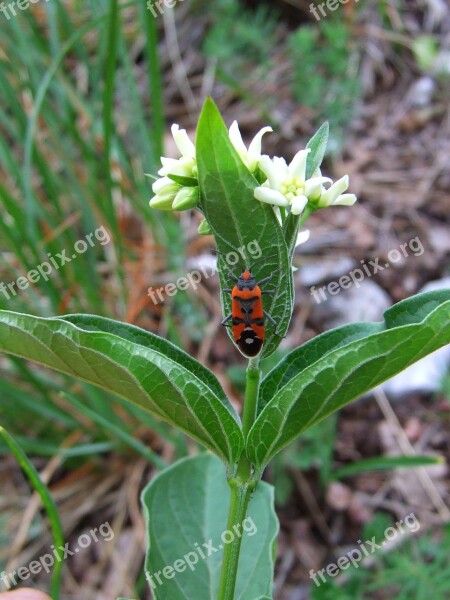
334,195
184,166
170,195
165,189
251,156
286,185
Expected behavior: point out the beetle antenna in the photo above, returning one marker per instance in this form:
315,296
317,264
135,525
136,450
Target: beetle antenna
260,259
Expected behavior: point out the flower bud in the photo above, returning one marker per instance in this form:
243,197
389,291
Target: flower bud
186,198
164,195
204,228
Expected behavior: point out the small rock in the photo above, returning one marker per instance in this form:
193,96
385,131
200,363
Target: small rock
364,301
339,496
426,375
421,92
324,270
358,511
413,429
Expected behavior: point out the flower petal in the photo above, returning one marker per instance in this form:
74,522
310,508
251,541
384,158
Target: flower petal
184,144
167,165
312,184
281,166
254,150
297,168
265,194
275,170
298,203
302,237
160,184
330,195
236,139
313,187
345,200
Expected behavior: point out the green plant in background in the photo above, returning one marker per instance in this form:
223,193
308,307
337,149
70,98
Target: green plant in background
239,39
211,526
418,569
63,74
313,450
325,73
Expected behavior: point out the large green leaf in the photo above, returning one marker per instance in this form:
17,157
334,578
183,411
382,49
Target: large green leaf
237,221
134,364
338,366
186,506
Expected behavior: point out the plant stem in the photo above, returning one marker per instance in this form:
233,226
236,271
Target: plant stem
251,396
241,486
240,497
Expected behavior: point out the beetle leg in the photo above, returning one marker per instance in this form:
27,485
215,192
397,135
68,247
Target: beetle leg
227,318
265,280
271,319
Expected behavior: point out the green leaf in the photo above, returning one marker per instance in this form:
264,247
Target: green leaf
336,367
238,221
47,501
384,463
134,364
183,180
185,507
318,144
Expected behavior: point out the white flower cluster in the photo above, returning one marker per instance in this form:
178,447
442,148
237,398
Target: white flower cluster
286,186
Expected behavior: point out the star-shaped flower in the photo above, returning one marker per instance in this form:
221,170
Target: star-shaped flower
286,185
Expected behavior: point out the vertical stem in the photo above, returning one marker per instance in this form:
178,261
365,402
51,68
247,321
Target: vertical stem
251,396
241,487
240,497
